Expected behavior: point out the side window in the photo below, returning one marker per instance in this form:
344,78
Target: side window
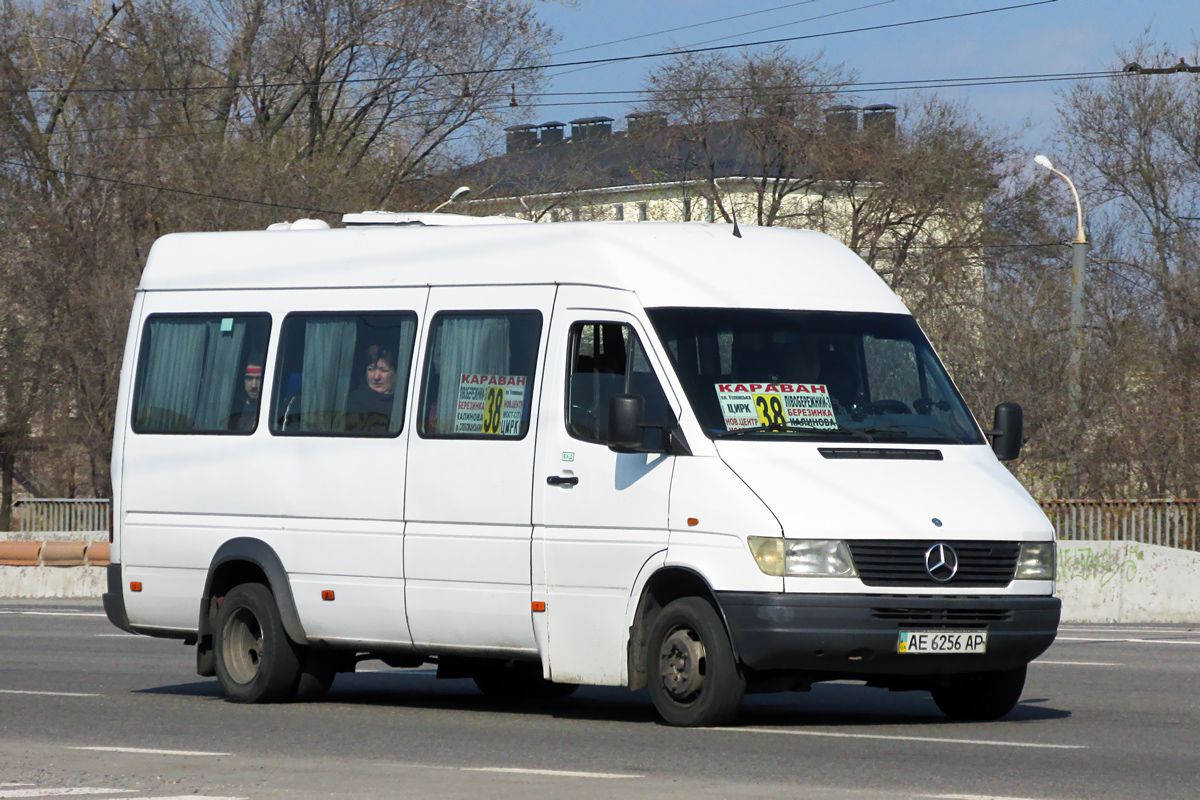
343,374
607,359
200,373
479,374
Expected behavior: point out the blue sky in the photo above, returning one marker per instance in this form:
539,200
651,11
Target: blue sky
1062,36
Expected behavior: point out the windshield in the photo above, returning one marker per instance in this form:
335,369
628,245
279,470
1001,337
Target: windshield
813,375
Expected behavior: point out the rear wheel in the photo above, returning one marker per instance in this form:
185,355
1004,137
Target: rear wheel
693,676
520,680
980,696
255,660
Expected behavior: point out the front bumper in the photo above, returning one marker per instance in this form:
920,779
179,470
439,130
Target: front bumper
857,635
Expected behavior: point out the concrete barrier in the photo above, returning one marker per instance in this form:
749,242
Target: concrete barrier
1127,582
64,582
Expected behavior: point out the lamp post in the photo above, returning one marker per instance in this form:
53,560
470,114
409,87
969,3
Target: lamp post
457,193
1079,249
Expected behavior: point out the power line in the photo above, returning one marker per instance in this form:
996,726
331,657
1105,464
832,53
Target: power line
188,192
683,28
532,67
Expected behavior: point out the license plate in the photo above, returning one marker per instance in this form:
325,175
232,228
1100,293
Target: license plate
937,642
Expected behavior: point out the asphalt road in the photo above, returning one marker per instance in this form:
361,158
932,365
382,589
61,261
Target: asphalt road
87,711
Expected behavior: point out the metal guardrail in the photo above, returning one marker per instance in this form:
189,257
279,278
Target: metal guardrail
61,515
1170,523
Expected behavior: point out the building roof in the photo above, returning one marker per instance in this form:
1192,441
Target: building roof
665,264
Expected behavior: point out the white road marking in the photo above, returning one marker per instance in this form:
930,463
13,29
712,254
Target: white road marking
63,792
1079,663
11,785
1114,640
559,773
1104,629
935,739
973,797
150,752
123,636
54,613
50,694
186,797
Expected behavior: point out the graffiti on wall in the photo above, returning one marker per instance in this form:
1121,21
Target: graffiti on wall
1103,565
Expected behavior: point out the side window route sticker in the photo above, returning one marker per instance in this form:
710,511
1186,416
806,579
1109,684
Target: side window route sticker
490,404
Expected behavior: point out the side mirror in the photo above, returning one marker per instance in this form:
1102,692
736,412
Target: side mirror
1006,434
626,413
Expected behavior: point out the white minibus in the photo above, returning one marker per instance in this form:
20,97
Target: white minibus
662,456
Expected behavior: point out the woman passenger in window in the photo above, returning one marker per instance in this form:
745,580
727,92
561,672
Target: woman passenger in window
369,409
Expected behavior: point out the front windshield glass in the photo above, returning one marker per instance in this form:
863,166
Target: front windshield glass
813,375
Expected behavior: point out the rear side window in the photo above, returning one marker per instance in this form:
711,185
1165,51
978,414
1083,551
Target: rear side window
200,373
479,374
343,374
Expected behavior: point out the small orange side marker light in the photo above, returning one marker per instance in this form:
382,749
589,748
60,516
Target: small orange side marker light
538,605
327,594
693,522
135,586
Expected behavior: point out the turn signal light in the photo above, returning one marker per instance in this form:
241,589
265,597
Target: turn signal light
135,586
538,605
327,594
693,522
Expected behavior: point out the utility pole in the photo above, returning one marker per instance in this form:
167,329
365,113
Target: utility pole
1079,249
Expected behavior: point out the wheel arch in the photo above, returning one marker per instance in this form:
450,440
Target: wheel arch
248,560
666,584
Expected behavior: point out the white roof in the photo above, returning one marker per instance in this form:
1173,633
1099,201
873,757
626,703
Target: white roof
665,264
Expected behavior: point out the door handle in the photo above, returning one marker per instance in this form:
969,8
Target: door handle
562,480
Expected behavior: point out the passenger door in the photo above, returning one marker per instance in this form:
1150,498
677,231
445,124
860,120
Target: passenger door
470,461
600,515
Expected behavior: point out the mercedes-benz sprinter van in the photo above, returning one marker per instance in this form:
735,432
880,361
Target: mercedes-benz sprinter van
644,455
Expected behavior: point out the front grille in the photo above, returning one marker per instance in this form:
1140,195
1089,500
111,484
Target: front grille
942,617
881,562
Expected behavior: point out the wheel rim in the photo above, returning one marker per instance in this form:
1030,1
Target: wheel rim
243,646
682,664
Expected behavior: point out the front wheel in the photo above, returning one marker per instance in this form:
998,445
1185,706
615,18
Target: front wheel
979,696
255,660
694,679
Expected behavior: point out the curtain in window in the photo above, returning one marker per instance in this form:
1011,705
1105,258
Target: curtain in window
221,376
327,371
404,351
166,400
470,345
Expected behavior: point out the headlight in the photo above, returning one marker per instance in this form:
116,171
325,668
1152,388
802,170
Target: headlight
828,558
1035,562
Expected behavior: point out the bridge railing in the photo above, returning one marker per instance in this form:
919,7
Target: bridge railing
1170,523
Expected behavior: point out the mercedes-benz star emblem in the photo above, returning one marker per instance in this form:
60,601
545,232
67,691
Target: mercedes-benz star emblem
941,562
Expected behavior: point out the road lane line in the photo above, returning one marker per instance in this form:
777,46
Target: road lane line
50,694
558,773
973,797
935,739
54,613
186,797
1078,663
1115,640
149,751
62,792
1105,629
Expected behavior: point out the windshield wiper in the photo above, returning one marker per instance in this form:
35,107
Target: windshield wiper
840,430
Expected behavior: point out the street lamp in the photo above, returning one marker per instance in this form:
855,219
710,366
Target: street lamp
1079,249
457,193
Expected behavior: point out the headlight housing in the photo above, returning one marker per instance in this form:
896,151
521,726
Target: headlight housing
826,558
1035,562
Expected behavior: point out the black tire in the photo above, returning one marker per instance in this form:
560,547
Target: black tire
692,675
318,668
255,660
520,680
979,696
